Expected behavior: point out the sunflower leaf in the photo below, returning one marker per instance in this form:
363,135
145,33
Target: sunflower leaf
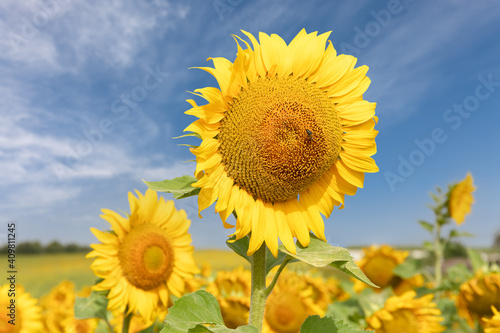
426,225
321,254
93,306
180,187
198,312
314,324
241,248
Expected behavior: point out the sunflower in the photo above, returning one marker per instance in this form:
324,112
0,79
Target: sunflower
378,264
27,316
290,303
58,310
492,325
478,295
146,257
407,314
461,199
232,290
235,282
285,136
320,293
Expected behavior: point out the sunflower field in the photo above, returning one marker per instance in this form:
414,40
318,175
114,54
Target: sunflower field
282,139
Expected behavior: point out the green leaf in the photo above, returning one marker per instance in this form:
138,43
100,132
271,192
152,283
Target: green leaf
371,302
192,311
475,260
348,311
315,324
321,254
241,248
102,327
93,306
180,187
426,225
428,246
454,233
410,267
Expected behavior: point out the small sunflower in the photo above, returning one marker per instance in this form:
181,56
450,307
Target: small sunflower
290,303
146,257
461,199
478,295
378,264
320,293
232,290
407,314
492,325
58,310
235,282
285,136
27,316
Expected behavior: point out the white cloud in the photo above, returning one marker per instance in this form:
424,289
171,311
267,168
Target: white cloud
73,32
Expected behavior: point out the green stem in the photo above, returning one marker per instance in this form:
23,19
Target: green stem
258,296
438,251
126,321
269,289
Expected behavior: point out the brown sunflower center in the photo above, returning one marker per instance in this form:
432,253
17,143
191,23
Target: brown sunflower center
146,256
278,137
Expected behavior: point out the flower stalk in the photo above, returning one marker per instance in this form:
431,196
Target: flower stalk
258,292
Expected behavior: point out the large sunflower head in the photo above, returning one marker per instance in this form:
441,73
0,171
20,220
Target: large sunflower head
378,264
27,315
461,199
285,136
407,314
478,295
146,257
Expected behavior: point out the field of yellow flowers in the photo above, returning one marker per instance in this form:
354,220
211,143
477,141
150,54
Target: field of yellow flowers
408,297
284,139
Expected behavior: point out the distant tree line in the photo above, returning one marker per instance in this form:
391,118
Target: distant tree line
52,247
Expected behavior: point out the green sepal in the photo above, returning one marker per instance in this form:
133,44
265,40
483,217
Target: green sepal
94,306
241,248
315,324
192,312
321,254
187,135
180,187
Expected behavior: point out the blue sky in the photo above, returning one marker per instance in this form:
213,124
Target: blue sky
83,120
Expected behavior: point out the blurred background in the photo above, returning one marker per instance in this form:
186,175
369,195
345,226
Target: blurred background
91,94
